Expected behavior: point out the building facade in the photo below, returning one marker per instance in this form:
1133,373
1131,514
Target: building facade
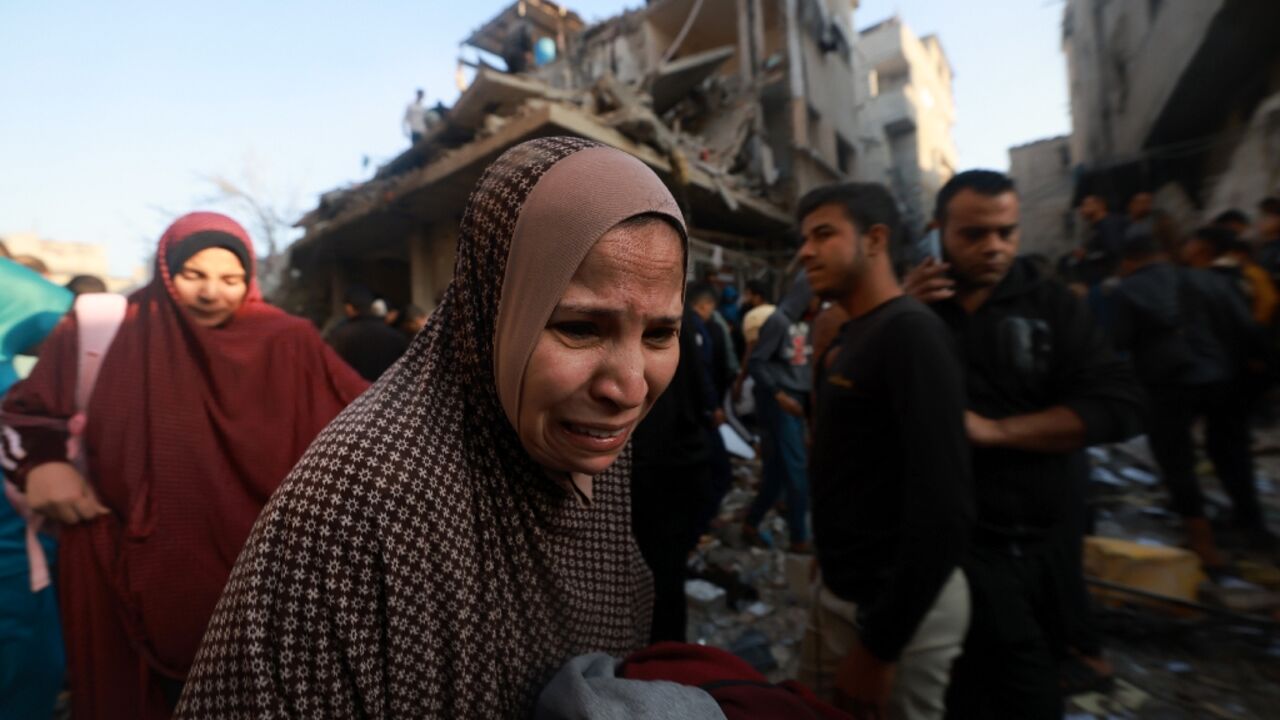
740,106
1043,173
1176,97
66,260
911,100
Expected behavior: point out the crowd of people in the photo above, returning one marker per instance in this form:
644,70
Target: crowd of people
488,511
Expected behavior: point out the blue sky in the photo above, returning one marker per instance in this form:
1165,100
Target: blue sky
112,114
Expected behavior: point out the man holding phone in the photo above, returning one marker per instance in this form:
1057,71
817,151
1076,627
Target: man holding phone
1043,383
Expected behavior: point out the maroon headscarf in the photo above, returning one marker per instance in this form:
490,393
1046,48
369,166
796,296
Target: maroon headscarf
190,430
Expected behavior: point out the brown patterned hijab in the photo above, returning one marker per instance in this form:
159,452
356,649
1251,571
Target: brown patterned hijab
417,562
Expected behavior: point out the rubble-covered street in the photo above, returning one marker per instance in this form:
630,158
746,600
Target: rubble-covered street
1171,660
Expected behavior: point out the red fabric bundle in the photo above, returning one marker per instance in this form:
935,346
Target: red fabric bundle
741,691
190,430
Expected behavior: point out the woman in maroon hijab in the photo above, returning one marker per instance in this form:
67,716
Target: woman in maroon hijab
204,401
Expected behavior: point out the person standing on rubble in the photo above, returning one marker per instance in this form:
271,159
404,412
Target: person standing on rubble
1192,339
757,305
415,119
892,497
1043,383
780,366
1219,249
711,342
1099,256
1266,238
363,338
671,482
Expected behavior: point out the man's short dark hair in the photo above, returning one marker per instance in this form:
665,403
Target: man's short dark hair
412,312
1221,239
761,288
360,298
984,182
83,284
699,291
1234,216
1140,247
865,204
1269,206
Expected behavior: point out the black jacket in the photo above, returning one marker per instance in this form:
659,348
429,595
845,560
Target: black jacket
1102,250
673,433
1033,345
368,344
1182,326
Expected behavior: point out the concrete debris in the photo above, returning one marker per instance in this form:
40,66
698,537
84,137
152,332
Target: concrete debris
705,595
1241,596
747,113
1219,654
754,647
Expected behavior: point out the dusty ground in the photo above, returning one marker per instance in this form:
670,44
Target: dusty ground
1167,666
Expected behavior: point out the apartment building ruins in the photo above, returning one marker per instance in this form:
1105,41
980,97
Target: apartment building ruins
1045,176
739,106
911,100
1179,97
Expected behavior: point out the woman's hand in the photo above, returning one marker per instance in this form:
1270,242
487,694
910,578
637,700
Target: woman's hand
58,491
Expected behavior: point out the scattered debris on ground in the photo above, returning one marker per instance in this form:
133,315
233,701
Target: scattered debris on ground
1182,646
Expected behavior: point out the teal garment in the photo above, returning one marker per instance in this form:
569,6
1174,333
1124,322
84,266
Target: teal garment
30,307
31,651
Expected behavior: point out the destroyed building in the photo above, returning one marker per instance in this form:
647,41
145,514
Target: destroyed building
910,98
1046,179
1179,97
740,106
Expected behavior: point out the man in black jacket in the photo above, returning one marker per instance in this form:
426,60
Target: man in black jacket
893,504
365,340
1099,256
1043,384
671,483
712,346
1191,336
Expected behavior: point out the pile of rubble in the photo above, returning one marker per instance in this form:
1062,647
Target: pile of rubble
722,117
751,601
1215,654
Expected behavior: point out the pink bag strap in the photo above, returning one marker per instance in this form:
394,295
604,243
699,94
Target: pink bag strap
98,317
